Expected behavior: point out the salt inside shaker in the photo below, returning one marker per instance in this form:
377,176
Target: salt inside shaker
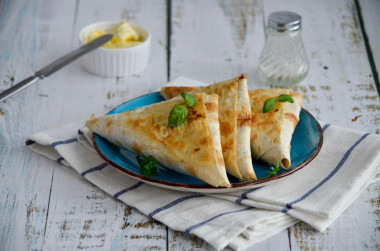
283,60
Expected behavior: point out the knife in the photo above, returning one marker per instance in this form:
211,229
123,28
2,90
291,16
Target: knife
55,66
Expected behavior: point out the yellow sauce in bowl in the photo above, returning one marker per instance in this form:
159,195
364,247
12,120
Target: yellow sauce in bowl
124,36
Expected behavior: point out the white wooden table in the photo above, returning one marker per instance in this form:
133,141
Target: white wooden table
46,206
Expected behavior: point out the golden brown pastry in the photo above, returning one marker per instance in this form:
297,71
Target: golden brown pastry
234,119
193,148
271,132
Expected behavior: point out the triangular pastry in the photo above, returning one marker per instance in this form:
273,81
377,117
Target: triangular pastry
234,119
193,148
271,132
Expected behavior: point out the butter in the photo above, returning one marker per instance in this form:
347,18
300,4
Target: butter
124,36
125,32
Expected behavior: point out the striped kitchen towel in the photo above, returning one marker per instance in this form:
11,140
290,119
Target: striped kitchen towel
317,194
220,222
348,162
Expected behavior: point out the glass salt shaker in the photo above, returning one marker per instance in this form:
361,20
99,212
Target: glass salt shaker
283,60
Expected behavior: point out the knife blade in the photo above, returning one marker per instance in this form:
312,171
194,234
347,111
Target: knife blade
55,66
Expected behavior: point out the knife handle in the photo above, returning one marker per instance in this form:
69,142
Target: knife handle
18,87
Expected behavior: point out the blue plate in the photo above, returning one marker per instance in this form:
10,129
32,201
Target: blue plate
306,143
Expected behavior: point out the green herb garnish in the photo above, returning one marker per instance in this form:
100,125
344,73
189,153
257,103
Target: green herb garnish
189,99
177,115
269,105
273,170
271,102
285,98
147,165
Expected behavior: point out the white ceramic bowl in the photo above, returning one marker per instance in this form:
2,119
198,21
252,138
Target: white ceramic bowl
116,62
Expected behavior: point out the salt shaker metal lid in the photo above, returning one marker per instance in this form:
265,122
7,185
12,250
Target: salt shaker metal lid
283,21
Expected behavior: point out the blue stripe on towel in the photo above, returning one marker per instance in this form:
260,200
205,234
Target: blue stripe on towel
285,210
325,127
333,172
173,203
96,168
30,142
60,159
188,230
244,195
54,144
128,189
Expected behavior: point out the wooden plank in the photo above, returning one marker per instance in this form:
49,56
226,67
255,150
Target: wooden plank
80,215
212,41
183,241
339,89
25,178
371,18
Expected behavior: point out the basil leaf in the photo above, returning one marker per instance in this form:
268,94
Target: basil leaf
177,115
285,98
189,99
269,105
274,170
278,165
147,165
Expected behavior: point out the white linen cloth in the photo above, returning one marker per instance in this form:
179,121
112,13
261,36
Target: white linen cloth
317,194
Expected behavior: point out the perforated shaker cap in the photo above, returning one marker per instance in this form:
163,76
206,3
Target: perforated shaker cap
284,21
